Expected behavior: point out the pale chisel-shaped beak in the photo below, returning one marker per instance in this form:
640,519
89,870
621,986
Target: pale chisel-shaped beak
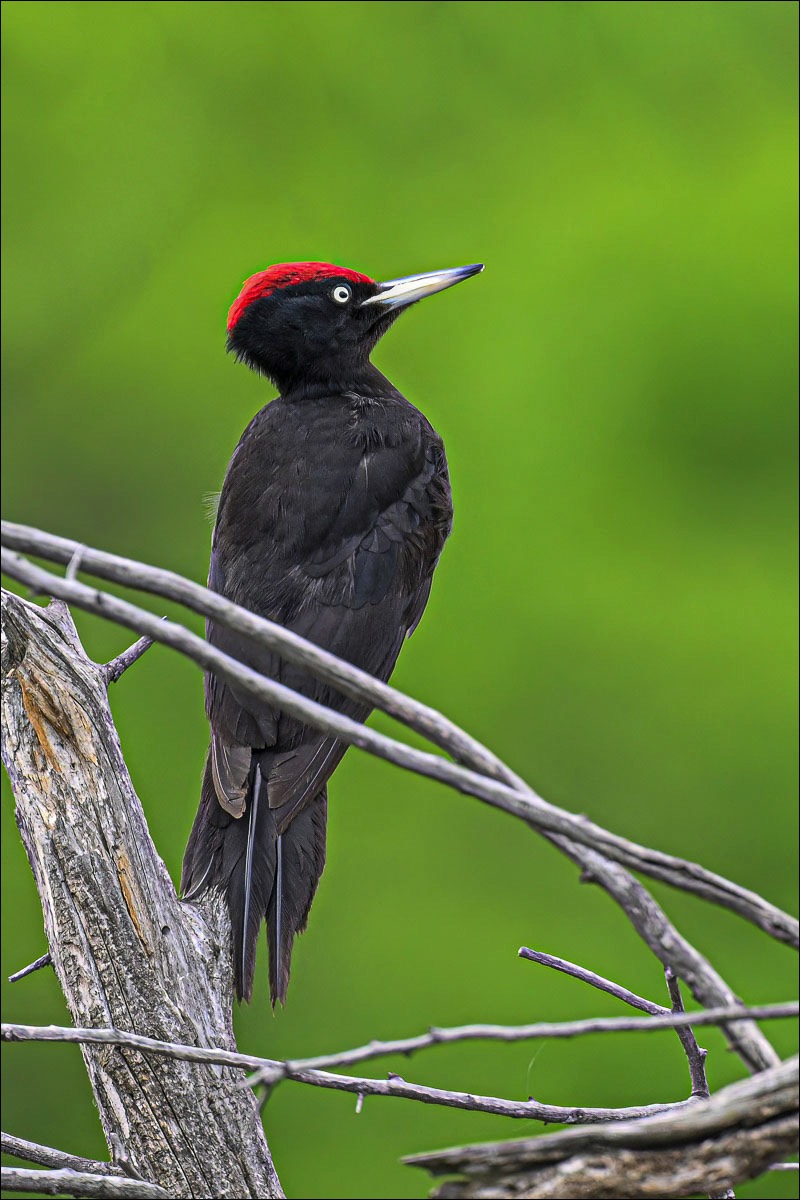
398,293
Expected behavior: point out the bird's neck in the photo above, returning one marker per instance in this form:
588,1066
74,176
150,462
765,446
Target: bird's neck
359,380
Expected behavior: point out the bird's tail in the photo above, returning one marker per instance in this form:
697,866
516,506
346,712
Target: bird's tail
263,875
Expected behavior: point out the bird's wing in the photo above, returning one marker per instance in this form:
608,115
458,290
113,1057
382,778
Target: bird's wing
357,589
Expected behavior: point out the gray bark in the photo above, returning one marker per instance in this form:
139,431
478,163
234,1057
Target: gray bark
127,952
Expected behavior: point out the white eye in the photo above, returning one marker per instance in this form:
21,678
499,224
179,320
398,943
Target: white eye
341,294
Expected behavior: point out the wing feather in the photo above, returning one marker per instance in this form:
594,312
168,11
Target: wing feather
353,577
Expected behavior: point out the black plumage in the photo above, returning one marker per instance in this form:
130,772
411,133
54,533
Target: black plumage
333,513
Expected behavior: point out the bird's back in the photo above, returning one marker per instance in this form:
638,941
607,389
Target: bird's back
332,517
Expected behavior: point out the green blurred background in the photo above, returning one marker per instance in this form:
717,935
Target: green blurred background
614,612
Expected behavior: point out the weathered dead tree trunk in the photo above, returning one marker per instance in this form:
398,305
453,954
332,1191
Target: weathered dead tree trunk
126,951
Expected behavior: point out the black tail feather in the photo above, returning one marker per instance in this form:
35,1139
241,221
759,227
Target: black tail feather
217,858
242,937
238,857
302,863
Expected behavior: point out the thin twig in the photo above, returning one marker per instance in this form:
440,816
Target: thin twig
74,564
44,961
527,805
77,1183
695,1056
788,1010
48,1156
595,981
527,1110
121,1156
113,670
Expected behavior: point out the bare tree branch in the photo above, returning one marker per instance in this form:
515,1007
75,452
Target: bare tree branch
313,1071
527,805
47,1156
696,1058
526,1110
37,965
694,1055
10,1032
114,670
595,981
271,1072
349,680
518,1033
648,918
704,1146
77,1183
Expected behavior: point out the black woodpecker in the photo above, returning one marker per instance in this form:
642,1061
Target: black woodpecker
333,513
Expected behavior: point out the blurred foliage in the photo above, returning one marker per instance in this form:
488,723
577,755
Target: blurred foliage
614,613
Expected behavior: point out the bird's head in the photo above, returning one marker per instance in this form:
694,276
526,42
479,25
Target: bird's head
316,322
